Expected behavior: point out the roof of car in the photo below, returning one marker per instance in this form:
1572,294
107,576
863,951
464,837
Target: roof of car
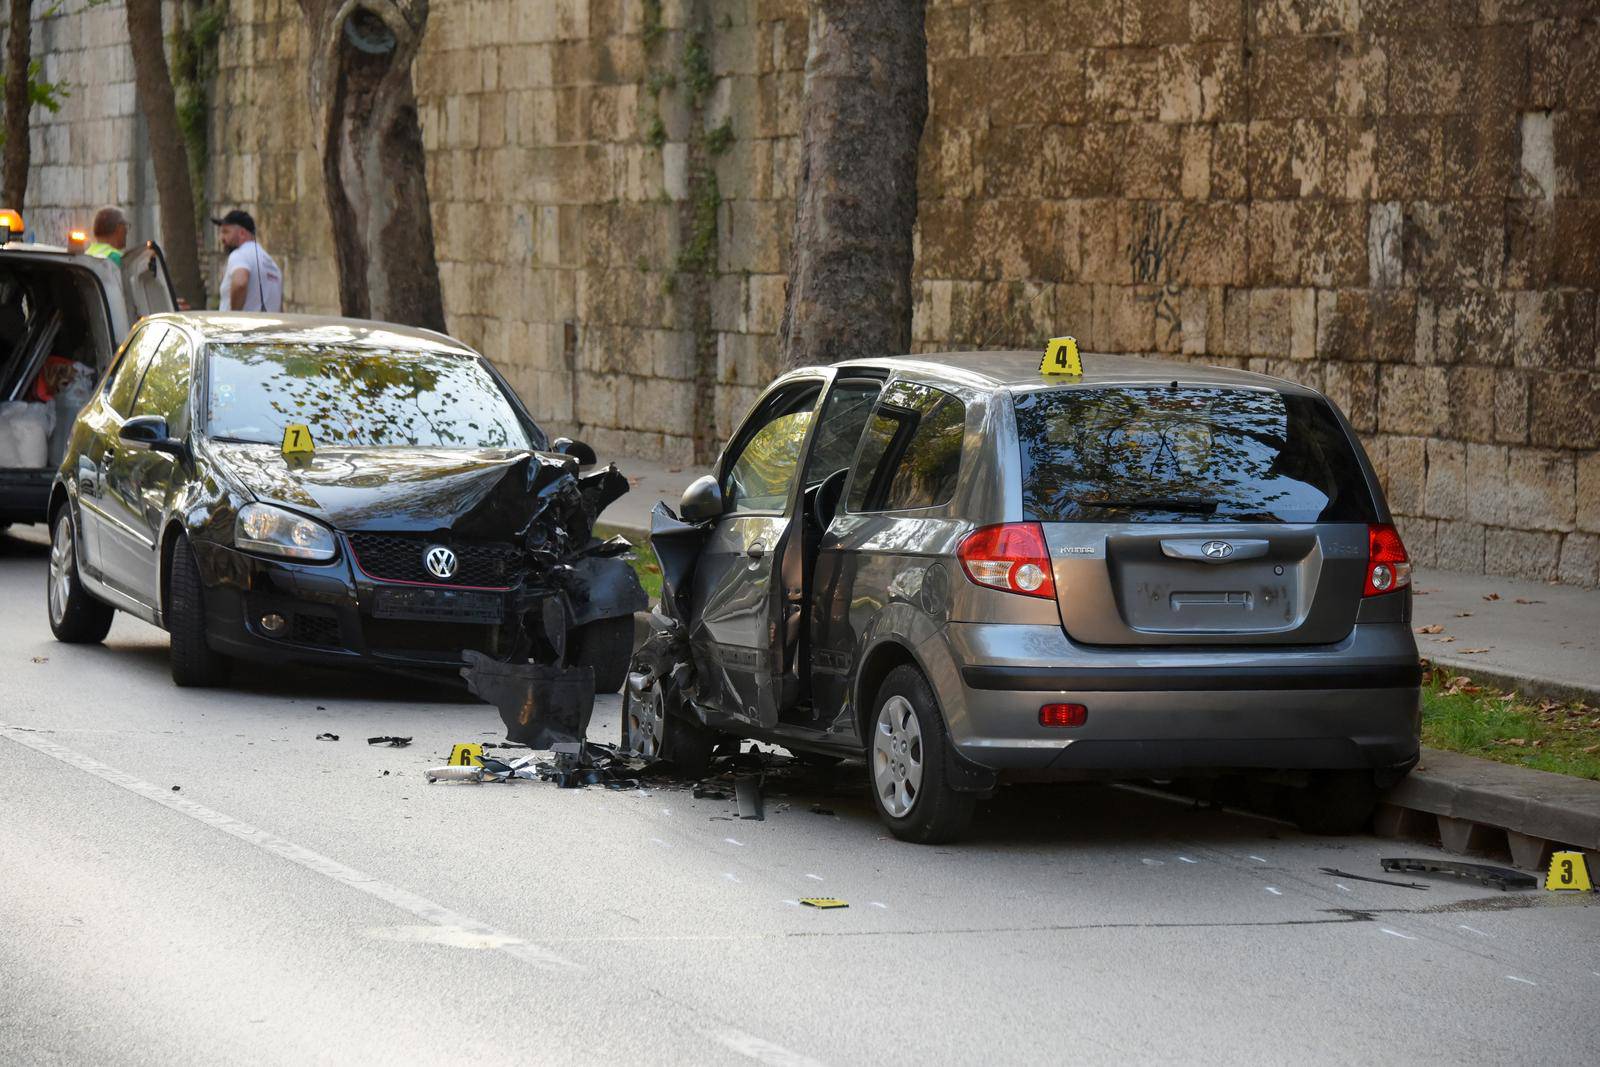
1020,369
251,327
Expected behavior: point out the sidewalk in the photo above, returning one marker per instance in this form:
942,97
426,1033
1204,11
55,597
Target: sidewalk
1543,640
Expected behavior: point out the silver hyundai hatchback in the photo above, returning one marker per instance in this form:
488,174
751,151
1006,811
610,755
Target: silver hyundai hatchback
969,573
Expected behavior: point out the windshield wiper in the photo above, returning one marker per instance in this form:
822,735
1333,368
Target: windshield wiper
1196,504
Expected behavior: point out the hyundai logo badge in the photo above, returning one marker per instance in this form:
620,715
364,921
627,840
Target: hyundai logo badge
441,562
1212,549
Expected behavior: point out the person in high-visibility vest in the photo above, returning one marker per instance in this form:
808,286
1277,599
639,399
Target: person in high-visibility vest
110,234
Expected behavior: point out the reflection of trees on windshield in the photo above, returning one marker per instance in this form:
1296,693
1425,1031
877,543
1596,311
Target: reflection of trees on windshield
759,479
911,452
358,396
1185,454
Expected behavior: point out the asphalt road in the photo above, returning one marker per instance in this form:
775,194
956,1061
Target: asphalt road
290,901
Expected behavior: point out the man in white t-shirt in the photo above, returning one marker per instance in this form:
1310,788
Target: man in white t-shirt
251,281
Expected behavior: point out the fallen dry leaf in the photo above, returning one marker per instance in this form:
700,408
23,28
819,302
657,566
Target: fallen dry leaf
1446,640
1548,705
1519,742
1539,743
1591,749
1463,614
1472,651
1435,628
1492,596
41,659
1521,600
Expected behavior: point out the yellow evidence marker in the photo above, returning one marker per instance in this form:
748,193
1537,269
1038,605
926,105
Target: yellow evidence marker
823,902
297,440
467,754
1568,871
1061,357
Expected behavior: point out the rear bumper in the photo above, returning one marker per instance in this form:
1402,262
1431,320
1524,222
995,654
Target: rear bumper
1355,705
24,495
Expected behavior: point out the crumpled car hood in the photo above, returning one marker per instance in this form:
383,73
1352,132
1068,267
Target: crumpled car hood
486,494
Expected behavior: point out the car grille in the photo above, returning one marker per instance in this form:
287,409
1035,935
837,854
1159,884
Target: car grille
399,559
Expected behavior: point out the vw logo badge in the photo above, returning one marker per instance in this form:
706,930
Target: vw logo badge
1217,549
440,561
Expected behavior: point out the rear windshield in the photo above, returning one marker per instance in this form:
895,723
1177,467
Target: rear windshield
1186,454
358,397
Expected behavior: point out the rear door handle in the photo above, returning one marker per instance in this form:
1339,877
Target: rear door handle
1213,549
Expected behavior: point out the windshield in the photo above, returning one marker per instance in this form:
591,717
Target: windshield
1186,454
358,397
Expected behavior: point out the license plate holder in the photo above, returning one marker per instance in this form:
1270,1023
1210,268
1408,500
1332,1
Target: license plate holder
440,605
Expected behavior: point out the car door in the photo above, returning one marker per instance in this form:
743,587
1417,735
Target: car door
140,481
746,582
145,282
105,414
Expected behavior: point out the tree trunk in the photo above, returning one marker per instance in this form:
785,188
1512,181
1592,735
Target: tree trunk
174,191
866,98
19,54
373,168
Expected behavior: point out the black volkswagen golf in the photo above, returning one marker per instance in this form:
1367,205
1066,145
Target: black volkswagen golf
280,487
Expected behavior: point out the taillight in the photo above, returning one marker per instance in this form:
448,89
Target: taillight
1011,556
1388,566
1063,715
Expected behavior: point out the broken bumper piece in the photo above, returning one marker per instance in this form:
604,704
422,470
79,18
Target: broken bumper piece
541,705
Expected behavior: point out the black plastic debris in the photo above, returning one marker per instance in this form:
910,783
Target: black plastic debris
747,790
1337,873
708,791
818,809
1501,878
392,742
327,737
542,705
176,788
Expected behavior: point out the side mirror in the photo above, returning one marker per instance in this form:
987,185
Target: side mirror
578,450
149,433
702,500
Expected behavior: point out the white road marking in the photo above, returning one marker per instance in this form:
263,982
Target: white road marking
1473,930
1396,933
760,1050
454,936
1524,981
316,862
814,877
1274,890
660,842
730,876
1153,863
667,812
1341,885
731,841
1259,859
1186,859
452,924
880,904
791,903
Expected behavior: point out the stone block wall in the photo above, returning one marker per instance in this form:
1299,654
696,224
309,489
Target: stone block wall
1396,201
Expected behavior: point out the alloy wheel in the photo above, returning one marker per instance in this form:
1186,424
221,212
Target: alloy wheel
61,560
647,720
897,756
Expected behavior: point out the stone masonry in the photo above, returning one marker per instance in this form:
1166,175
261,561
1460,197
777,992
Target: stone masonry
1397,201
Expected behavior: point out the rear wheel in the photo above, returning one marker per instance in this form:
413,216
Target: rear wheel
651,731
75,617
605,645
1335,803
194,663
906,757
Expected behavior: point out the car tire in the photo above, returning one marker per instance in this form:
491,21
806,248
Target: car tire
605,645
194,662
76,617
1335,803
652,732
906,745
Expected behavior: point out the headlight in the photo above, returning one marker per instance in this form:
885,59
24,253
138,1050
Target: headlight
264,528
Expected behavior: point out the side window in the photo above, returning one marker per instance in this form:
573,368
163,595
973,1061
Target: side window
165,390
124,380
761,473
844,416
911,453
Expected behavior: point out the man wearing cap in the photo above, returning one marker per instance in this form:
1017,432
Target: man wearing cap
251,281
110,235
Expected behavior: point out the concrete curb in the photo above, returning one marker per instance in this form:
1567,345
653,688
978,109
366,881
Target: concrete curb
1526,685
1484,806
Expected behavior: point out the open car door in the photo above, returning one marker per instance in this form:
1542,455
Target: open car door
145,282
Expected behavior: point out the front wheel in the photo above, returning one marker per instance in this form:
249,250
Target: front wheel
75,617
193,661
651,731
907,759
